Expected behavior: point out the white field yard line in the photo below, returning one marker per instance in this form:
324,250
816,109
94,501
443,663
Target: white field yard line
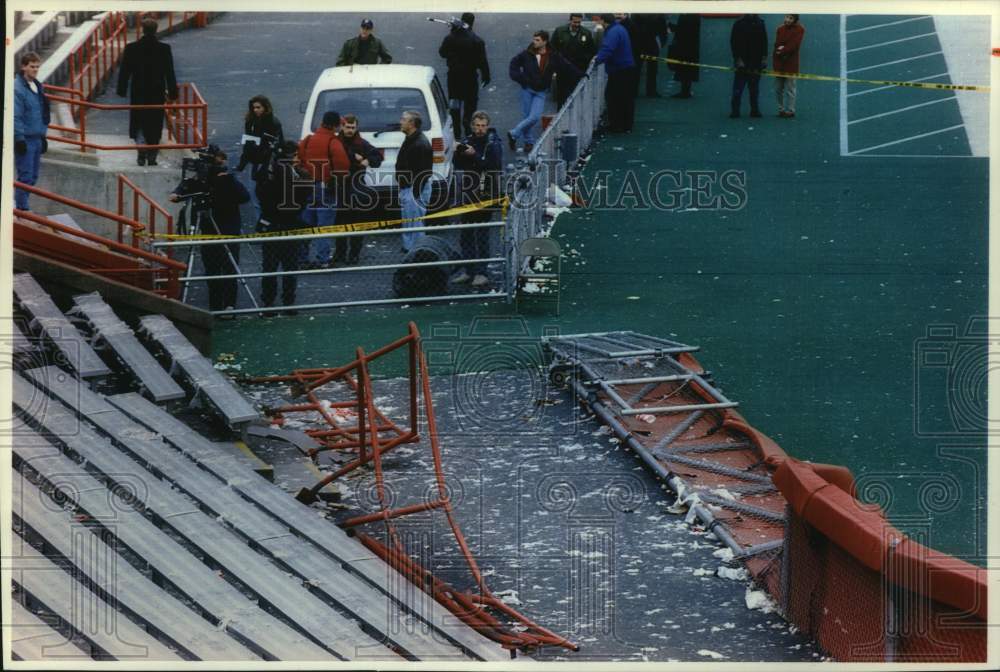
902,109
844,151
907,139
965,41
884,44
890,23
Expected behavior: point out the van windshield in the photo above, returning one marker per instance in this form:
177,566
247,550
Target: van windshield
376,108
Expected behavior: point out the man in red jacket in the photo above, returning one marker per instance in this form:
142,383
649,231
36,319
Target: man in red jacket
786,59
324,160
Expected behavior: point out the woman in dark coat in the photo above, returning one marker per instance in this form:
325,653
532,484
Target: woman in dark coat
685,47
149,64
261,134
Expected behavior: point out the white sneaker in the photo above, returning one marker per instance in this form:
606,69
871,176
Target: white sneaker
460,277
480,281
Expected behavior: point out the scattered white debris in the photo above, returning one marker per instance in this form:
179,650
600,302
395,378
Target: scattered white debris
555,212
758,599
701,571
632,298
725,494
508,597
647,418
725,554
733,573
710,654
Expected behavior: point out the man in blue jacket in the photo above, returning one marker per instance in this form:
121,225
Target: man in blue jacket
31,122
533,69
616,55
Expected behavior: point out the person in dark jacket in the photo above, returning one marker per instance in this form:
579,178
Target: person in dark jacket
651,34
261,132
533,69
283,194
479,169
685,47
616,55
465,53
149,64
360,202
414,166
365,49
226,194
748,41
577,46
31,123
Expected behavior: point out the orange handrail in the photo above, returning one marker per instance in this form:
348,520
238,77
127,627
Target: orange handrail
91,63
187,118
93,210
154,207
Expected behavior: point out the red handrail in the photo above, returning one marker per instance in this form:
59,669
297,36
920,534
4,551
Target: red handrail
91,63
188,118
73,203
154,207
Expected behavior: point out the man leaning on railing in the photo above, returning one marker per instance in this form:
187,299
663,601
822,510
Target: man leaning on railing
31,121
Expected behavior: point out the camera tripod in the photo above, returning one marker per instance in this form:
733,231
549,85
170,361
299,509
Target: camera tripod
195,218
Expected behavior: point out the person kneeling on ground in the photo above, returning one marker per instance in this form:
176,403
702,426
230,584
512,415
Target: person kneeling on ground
478,165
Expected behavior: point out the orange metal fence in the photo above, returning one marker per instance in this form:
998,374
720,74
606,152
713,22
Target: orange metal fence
149,270
186,121
138,198
91,64
195,19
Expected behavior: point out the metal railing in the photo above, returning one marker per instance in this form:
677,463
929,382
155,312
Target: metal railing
187,19
187,119
91,63
138,199
546,167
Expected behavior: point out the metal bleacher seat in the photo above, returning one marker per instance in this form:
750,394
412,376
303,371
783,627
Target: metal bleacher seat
117,335
56,329
207,381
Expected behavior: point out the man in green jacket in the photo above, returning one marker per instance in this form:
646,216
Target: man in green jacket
365,49
576,44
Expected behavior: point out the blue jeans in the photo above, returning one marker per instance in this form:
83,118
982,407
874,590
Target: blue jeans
532,105
27,169
413,206
320,210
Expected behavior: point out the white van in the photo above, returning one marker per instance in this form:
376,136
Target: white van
378,94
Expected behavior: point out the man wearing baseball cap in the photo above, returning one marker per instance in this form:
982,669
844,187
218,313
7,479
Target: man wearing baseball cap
365,49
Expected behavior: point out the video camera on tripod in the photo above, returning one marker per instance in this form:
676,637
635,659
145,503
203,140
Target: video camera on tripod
198,172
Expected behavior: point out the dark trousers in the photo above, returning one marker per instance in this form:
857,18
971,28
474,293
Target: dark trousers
147,124
740,80
283,254
619,99
349,247
565,85
475,243
463,98
221,293
651,69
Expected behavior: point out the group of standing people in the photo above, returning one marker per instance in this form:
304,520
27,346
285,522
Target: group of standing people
748,41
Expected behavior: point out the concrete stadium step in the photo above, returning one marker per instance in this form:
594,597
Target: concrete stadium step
74,348
353,595
306,522
167,560
339,634
121,339
218,390
32,639
48,586
99,563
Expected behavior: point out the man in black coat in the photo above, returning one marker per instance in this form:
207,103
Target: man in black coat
414,170
685,47
465,53
360,203
651,34
150,65
748,41
283,194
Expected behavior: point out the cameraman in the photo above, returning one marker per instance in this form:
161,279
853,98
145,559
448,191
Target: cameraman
479,168
282,197
217,193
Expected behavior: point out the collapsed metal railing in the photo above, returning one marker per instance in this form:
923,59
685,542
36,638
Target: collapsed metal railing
363,435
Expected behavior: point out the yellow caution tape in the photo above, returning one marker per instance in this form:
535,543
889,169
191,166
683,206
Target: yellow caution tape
339,228
827,78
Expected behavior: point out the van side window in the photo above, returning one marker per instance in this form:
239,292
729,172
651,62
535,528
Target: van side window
441,100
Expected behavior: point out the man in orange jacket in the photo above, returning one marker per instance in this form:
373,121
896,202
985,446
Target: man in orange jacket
786,59
324,160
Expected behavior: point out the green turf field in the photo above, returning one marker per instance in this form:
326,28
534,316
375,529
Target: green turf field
810,303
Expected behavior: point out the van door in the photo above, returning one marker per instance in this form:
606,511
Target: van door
447,127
